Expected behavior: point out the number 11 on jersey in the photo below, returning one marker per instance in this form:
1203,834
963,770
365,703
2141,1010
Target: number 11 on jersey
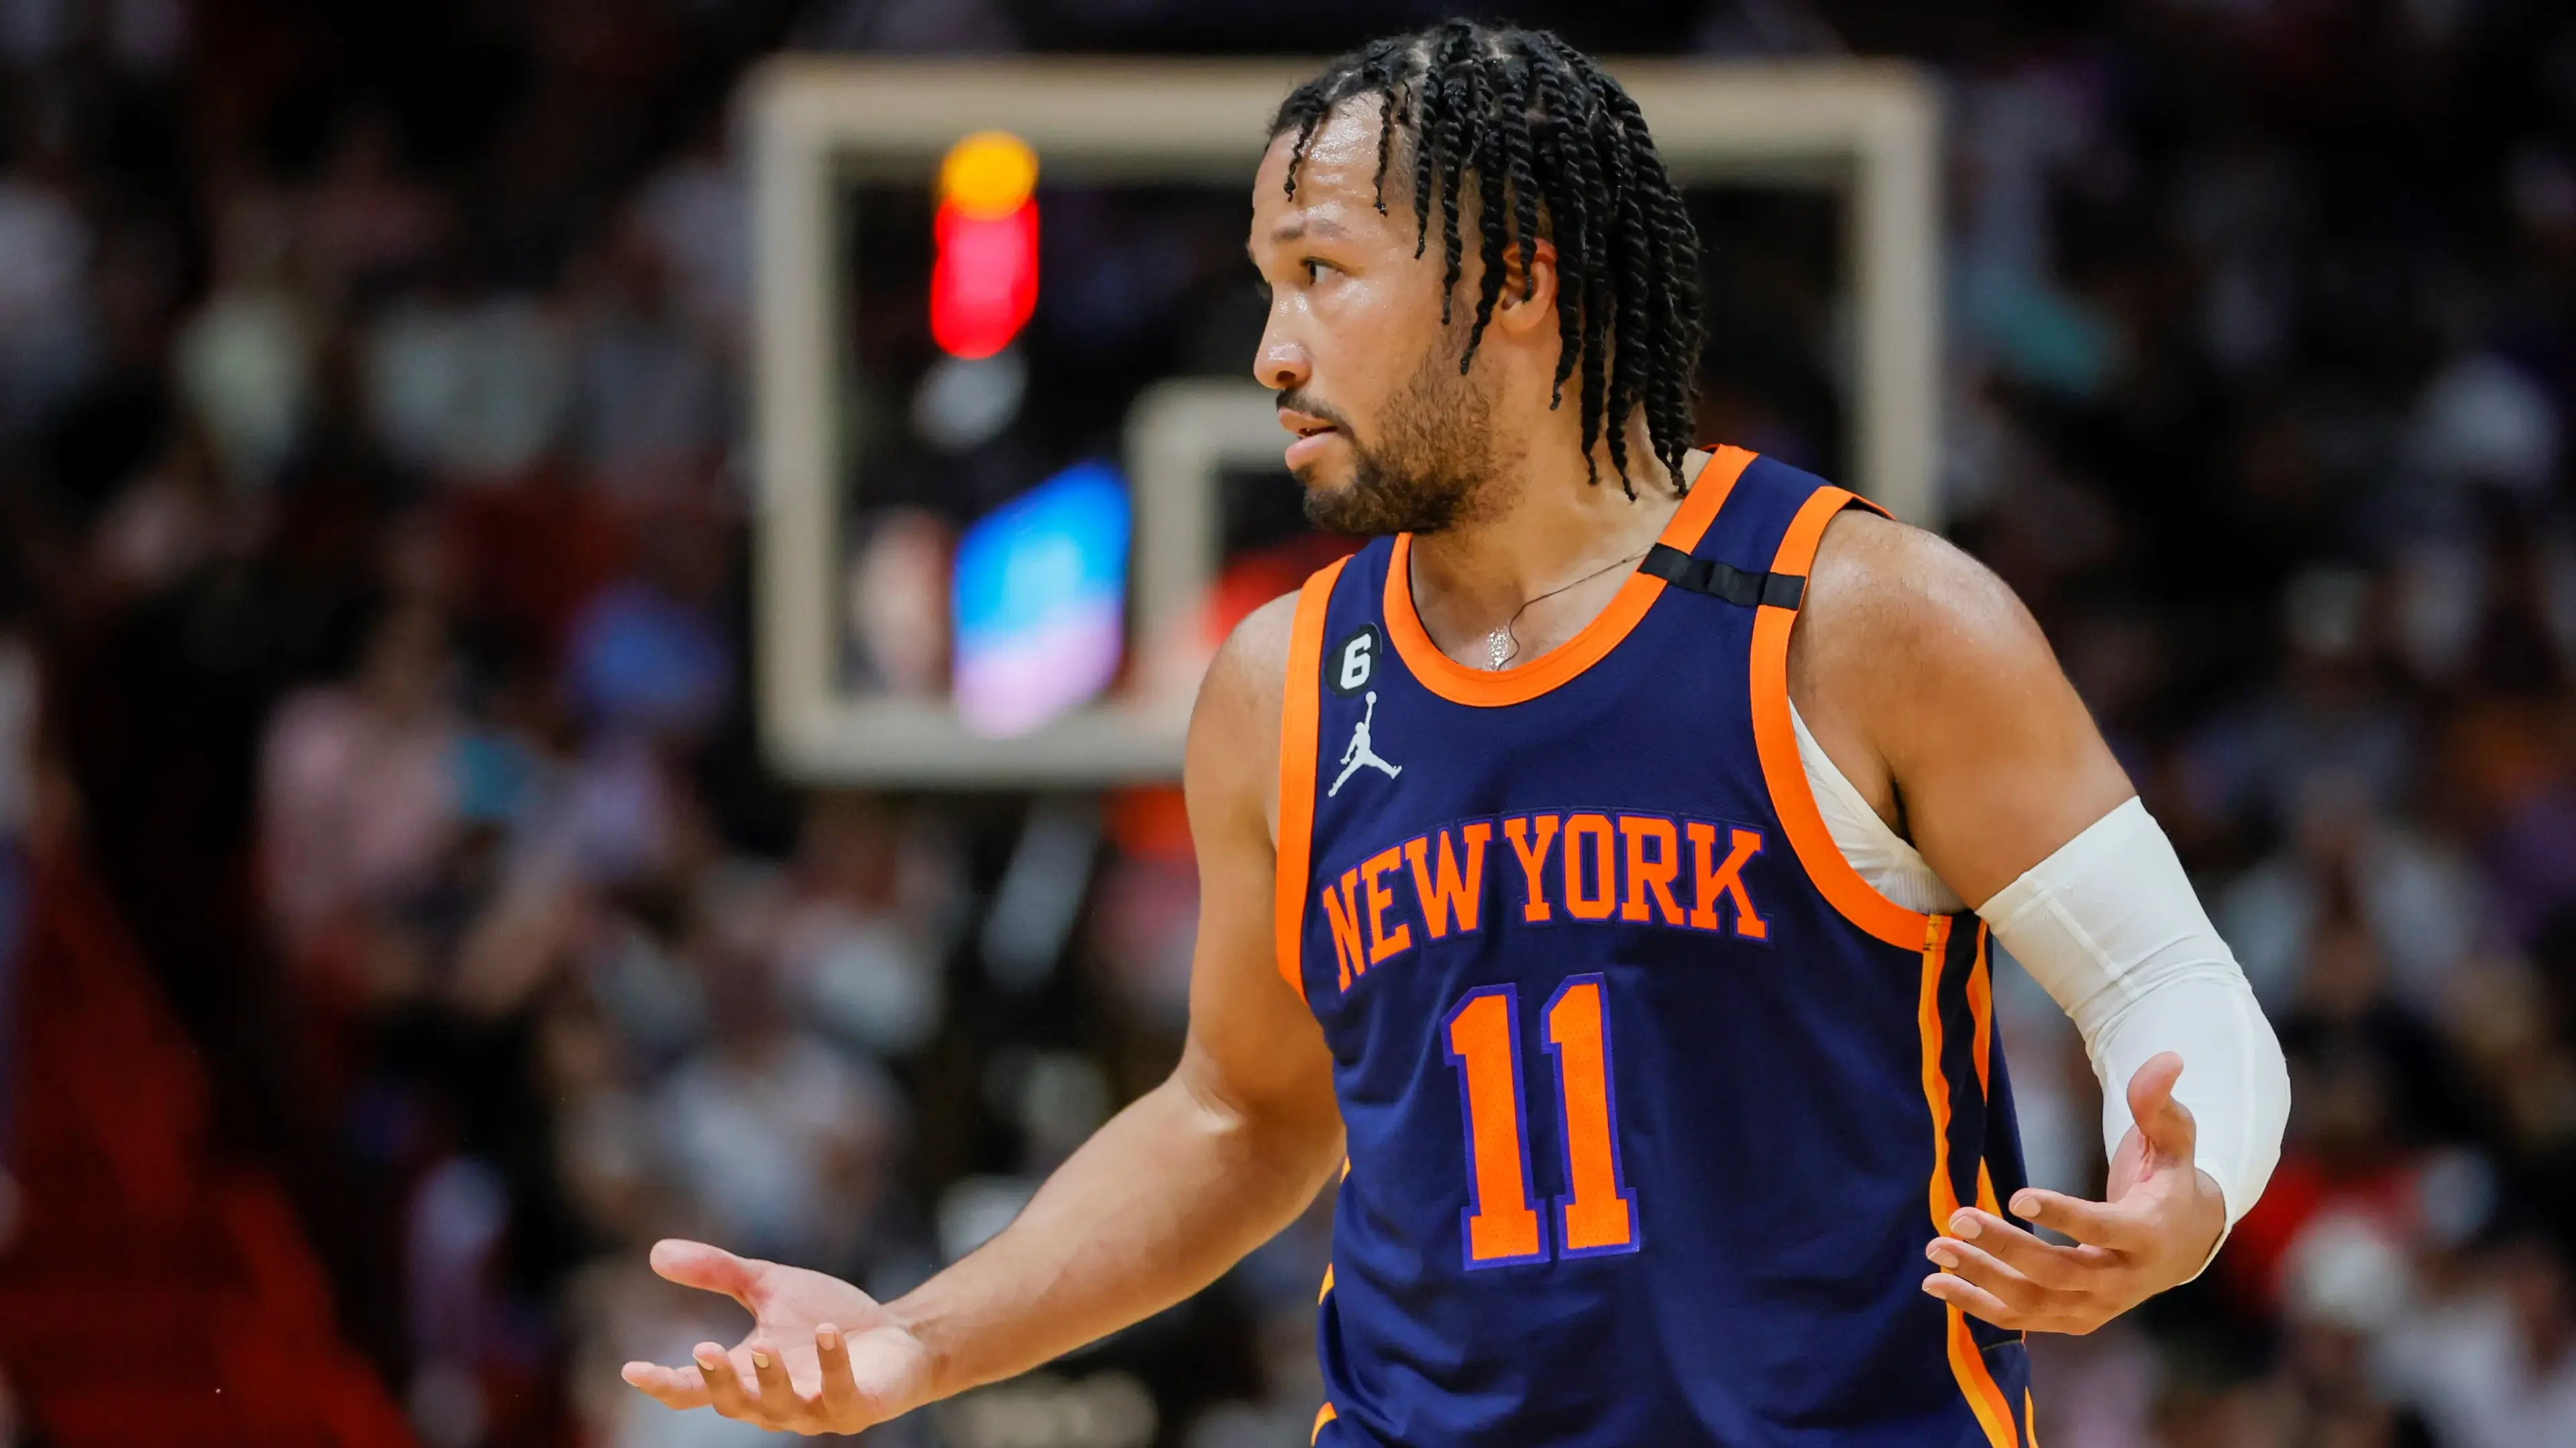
1597,1215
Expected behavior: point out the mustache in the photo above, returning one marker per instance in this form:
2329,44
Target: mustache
1299,402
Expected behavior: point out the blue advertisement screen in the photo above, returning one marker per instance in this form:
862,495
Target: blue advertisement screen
1039,600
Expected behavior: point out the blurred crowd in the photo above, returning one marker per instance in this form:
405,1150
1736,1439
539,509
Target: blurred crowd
375,498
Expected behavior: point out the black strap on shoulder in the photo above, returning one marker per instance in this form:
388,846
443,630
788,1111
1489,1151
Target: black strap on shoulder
1723,580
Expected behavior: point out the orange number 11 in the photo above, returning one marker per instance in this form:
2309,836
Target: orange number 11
1597,1215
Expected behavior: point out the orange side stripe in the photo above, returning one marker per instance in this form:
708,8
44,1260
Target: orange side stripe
2029,1419
1323,1415
1967,1364
1775,741
1327,1289
1298,707
1483,688
1985,1398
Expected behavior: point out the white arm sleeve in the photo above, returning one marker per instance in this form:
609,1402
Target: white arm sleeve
2110,927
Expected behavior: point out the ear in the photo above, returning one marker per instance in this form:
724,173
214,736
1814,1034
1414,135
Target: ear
1529,288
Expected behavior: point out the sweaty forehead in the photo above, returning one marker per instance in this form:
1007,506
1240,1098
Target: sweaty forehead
1336,178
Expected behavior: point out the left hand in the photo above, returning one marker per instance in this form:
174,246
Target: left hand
2163,1217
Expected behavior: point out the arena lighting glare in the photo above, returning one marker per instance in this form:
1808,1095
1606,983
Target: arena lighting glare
984,281
1039,601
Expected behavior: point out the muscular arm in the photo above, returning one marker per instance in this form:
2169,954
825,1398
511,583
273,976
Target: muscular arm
1211,1163
1933,690
1174,1190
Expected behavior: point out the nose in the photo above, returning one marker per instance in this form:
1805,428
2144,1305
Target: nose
1281,364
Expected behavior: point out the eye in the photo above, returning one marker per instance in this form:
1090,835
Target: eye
1312,266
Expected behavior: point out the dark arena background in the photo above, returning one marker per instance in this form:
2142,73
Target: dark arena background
595,598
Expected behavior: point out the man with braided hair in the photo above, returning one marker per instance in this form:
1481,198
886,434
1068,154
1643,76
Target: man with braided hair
1640,994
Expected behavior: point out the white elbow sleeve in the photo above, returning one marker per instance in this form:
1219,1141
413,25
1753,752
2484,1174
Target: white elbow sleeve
2110,927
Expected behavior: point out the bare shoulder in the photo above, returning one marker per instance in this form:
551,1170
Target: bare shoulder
1893,606
1935,692
1240,696
1232,761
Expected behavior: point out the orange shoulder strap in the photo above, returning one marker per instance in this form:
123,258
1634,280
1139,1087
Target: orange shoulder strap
1775,741
1298,707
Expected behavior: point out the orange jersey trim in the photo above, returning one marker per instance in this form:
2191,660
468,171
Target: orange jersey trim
1323,1415
1775,741
1299,706
1985,1397
1967,1363
1488,689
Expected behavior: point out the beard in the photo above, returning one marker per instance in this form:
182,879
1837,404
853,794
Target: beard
1431,466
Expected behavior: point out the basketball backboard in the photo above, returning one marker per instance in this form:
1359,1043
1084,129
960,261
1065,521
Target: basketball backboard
818,127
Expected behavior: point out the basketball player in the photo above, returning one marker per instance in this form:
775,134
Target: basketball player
1586,870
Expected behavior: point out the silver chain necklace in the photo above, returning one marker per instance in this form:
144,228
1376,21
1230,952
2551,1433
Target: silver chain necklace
1500,646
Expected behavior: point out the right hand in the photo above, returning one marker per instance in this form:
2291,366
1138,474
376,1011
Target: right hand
822,1356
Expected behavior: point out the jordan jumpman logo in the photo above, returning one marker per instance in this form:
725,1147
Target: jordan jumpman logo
1359,753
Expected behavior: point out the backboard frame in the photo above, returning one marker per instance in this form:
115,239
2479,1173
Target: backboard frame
1869,129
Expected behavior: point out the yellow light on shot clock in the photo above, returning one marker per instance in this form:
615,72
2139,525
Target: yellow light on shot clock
989,174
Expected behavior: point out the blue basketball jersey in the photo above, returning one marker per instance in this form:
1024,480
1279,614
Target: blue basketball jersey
1653,1104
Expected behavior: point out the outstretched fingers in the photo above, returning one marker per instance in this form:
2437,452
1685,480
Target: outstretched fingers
2045,1263
2013,1279
768,1396
841,1400
2025,1298
724,1384
1978,1282
1967,1296
778,1396
2099,1224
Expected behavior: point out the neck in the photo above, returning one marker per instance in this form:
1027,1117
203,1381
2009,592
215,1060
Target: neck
1547,531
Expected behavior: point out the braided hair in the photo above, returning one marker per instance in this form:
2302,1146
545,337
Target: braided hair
1558,149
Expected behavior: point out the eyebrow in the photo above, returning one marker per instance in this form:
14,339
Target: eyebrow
1323,228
